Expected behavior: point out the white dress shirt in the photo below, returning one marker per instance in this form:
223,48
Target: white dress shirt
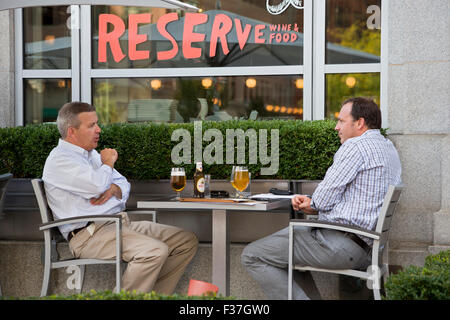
72,176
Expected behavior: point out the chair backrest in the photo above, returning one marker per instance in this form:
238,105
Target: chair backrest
387,212
39,191
4,180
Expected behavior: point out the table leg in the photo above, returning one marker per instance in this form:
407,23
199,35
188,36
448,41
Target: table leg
220,251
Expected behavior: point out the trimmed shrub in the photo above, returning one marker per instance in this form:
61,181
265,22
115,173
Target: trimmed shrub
123,295
430,282
306,148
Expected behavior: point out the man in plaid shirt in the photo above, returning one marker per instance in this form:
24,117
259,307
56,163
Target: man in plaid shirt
351,192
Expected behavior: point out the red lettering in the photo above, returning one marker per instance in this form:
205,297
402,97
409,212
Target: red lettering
259,34
134,38
112,37
161,26
242,35
189,36
221,26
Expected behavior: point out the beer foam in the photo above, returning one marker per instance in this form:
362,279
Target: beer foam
178,173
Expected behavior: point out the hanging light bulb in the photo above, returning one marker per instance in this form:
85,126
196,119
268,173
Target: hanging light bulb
155,84
250,82
299,83
206,83
350,82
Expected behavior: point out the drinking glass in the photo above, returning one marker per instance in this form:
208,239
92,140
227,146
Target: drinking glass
239,179
178,180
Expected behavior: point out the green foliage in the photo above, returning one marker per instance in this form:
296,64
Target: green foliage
306,148
430,282
125,295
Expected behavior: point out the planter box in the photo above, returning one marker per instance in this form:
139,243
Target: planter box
22,218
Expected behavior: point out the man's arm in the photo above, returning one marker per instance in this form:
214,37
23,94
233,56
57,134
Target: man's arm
120,187
78,177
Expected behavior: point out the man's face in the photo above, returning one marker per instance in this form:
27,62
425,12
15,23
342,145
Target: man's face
88,134
347,127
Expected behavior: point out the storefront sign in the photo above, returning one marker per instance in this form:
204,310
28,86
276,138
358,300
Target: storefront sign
281,7
222,27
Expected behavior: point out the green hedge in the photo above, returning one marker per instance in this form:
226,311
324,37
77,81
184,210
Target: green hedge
306,148
430,282
123,295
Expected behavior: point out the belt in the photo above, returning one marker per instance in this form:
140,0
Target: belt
75,231
360,242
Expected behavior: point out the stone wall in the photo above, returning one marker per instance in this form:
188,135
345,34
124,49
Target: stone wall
7,68
419,121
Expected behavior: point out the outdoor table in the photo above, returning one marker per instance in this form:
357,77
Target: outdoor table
220,229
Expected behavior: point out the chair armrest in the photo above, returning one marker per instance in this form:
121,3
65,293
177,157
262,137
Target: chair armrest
335,226
143,211
59,222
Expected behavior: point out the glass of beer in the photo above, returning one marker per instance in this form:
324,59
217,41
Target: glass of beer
240,179
178,180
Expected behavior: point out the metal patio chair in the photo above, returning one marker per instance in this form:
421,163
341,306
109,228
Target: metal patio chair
4,180
52,235
379,267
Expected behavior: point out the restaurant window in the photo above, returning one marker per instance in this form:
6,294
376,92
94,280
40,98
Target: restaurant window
188,99
233,36
248,63
44,98
46,38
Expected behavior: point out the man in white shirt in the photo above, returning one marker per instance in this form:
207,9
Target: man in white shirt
79,181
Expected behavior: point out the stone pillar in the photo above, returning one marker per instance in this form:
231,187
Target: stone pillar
419,113
7,68
441,221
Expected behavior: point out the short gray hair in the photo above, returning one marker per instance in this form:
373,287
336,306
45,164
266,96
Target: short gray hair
68,116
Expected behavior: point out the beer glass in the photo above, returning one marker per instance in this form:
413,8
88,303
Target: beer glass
240,179
178,180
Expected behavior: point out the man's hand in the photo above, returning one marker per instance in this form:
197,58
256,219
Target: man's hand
114,190
109,156
300,202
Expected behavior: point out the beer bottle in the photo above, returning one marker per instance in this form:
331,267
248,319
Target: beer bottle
199,181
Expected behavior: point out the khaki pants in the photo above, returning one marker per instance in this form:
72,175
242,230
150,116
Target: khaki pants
157,254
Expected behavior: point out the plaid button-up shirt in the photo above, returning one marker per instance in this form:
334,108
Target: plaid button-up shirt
354,186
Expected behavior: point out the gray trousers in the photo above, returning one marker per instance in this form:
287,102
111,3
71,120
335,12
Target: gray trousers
266,259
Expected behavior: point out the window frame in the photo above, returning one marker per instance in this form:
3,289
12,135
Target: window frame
313,70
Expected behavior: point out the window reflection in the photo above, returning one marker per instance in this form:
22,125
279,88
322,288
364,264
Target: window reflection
250,14
340,87
191,99
353,34
44,98
47,41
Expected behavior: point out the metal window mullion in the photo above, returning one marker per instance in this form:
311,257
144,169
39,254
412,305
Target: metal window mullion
85,53
18,67
308,60
46,74
319,23
197,72
352,68
75,54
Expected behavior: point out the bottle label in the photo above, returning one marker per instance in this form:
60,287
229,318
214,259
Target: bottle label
201,185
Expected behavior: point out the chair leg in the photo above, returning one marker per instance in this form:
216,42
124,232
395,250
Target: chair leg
46,279
376,289
82,271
